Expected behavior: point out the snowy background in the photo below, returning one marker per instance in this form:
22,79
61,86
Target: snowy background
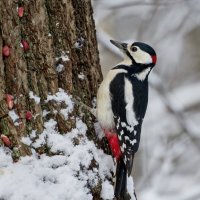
167,164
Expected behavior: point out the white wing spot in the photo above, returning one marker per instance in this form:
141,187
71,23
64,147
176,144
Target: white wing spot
124,146
117,126
135,132
133,142
123,124
129,128
125,159
122,149
126,138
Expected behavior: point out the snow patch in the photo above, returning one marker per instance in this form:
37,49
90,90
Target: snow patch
35,97
62,96
64,176
76,164
64,57
79,43
45,113
107,191
26,140
130,187
99,130
81,76
14,116
60,68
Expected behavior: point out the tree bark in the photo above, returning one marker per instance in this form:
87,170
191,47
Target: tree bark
52,30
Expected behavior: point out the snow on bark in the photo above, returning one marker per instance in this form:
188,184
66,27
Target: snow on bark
75,167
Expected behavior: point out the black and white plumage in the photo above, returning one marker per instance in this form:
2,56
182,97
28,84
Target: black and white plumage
121,105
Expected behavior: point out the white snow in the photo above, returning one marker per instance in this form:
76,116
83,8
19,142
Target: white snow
47,178
98,130
14,116
65,175
33,134
35,97
26,140
130,187
62,96
21,45
45,112
81,76
60,68
79,43
107,191
64,57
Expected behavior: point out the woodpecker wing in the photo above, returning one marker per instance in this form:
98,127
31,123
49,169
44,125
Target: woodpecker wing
129,106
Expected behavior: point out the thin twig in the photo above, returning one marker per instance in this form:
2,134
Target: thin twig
139,3
158,86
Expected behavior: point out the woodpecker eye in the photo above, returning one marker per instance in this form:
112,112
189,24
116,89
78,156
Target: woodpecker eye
134,49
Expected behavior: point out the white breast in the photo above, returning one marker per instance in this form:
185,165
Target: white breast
104,108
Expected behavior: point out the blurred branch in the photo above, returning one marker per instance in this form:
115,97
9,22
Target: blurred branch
104,40
194,196
157,84
140,3
175,150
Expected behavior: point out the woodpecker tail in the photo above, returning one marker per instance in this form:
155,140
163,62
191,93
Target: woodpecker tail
122,171
121,181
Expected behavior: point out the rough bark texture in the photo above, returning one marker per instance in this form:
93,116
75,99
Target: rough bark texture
52,29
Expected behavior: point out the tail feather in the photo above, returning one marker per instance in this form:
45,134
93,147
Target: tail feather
129,163
121,181
120,178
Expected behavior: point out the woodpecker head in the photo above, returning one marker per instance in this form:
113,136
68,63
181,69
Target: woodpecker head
137,53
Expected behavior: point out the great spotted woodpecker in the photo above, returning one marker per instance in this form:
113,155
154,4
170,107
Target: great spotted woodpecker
121,106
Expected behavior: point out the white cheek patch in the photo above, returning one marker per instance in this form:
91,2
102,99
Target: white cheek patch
141,56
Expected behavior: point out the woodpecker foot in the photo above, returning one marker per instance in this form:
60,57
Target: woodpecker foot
113,143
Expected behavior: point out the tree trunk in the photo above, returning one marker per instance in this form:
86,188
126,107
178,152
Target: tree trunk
52,45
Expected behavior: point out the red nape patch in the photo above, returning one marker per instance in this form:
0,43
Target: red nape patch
114,144
154,59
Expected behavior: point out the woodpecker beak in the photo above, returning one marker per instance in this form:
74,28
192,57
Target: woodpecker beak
120,45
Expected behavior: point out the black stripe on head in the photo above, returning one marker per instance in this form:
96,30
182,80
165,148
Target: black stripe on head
129,55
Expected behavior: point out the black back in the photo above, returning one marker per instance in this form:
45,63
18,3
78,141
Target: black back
125,132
